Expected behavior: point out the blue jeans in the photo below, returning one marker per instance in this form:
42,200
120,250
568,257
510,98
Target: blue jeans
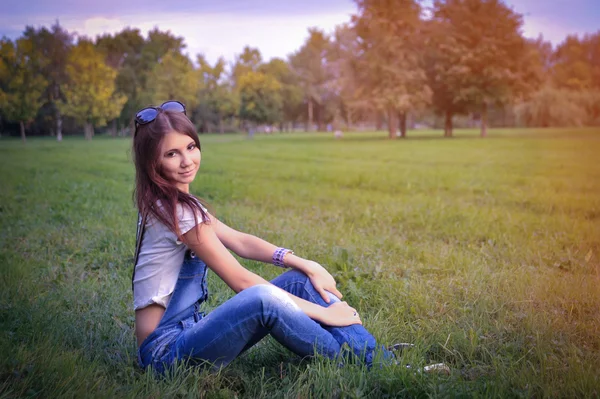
185,333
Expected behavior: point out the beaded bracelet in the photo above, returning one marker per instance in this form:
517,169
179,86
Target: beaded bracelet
278,256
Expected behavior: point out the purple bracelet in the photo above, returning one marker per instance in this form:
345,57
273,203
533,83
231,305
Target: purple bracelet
278,256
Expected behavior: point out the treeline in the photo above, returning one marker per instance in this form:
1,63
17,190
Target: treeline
394,64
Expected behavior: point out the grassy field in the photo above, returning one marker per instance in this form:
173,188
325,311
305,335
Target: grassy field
485,253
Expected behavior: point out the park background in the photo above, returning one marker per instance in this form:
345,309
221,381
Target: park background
458,210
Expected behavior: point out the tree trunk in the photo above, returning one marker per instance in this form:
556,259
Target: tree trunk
113,128
484,116
321,126
58,117
378,121
402,122
448,124
391,123
22,125
309,122
88,131
221,127
349,116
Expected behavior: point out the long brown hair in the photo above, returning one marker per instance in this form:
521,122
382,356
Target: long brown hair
150,185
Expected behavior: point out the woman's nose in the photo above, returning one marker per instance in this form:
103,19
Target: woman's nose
186,160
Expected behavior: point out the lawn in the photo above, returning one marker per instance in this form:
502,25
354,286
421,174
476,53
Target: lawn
484,253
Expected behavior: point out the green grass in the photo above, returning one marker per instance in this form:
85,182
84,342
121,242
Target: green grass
485,253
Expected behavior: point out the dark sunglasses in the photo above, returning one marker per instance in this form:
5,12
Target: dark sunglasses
148,114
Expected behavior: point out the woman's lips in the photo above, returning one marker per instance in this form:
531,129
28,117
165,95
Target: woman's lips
188,173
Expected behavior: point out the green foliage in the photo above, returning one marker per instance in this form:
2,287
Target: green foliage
52,47
123,52
174,78
216,97
89,96
21,83
291,93
394,61
309,64
483,253
248,61
260,98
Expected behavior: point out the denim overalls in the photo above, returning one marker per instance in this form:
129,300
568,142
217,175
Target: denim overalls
182,312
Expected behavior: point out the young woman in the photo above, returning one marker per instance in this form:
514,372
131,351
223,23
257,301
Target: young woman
179,240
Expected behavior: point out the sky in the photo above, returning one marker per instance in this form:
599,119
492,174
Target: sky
276,27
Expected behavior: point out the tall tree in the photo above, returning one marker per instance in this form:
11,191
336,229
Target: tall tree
122,52
309,63
52,46
260,98
216,94
248,61
344,70
174,78
291,92
21,82
90,96
483,50
390,69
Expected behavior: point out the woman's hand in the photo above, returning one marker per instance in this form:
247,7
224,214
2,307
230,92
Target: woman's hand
339,314
322,280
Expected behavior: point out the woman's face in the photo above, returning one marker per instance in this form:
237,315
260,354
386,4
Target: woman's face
179,159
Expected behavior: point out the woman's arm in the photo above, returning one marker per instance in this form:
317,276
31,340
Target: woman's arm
251,247
203,240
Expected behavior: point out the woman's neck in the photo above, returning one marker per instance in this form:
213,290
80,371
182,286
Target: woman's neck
184,188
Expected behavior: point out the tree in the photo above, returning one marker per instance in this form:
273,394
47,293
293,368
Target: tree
122,52
344,70
216,94
290,91
21,83
309,64
52,46
248,61
552,107
174,78
90,96
577,63
389,61
260,98
482,51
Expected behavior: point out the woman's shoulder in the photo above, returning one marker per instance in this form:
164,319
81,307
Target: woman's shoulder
185,210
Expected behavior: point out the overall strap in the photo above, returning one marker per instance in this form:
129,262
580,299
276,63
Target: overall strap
139,235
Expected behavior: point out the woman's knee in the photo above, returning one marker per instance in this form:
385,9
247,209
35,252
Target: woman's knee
266,294
295,275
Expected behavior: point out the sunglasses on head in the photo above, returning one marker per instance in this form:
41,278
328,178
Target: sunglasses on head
148,114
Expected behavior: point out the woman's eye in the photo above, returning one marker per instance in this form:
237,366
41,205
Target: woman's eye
191,146
170,154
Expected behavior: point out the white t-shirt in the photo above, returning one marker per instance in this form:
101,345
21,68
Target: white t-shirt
160,259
